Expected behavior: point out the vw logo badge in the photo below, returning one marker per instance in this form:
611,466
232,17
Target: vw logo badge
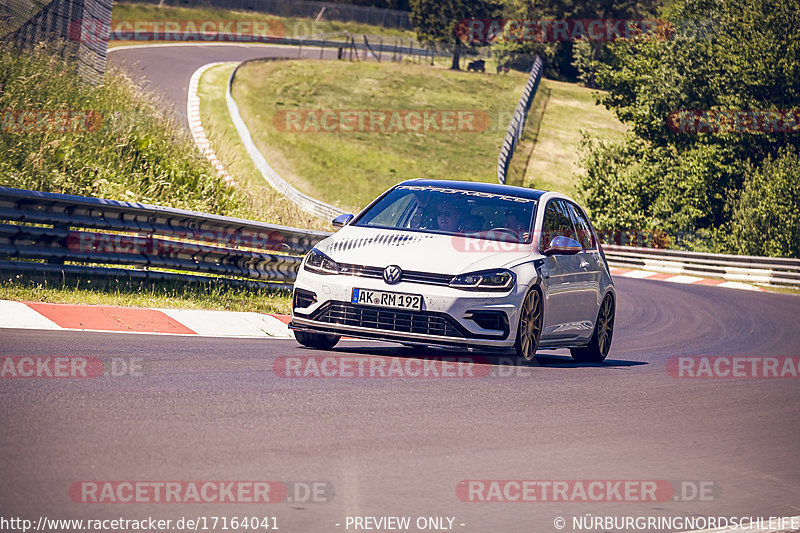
392,274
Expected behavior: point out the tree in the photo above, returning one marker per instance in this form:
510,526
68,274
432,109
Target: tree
766,219
437,21
558,54
684,170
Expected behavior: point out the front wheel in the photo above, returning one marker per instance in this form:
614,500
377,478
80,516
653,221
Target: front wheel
320,341
599,344
530,326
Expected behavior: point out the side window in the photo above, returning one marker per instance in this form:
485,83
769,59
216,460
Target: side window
585,236
557,222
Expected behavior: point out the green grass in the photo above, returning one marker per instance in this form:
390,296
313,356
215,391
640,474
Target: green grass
568,109
350,168
139,153
284,26
229,149
160,295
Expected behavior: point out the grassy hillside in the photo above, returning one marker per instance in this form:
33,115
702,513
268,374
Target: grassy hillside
568,109
293,27
229,149
351,168
130,150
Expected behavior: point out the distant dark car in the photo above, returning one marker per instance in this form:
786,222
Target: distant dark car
475,66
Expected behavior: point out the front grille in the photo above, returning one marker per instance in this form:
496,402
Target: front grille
397,320
408,275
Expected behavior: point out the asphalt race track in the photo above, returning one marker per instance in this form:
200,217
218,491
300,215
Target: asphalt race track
166,70
215,409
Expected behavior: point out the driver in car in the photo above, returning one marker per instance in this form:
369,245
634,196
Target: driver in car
448,217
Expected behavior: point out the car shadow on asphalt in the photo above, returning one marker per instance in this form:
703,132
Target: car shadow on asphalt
494,359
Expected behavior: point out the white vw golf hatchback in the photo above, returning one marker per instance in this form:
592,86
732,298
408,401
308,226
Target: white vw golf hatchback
460,264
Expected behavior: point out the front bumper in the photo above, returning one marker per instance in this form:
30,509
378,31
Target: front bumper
444,318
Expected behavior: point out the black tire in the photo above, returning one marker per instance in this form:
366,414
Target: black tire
600,343
530,326
320,341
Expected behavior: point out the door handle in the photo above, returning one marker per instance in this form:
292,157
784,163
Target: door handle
584,264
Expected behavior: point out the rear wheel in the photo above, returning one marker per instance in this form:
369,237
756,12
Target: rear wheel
320,341
530,326
599,344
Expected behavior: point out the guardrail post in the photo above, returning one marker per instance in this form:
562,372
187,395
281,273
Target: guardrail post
57,260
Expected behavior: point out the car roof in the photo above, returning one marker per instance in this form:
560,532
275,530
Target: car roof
478,186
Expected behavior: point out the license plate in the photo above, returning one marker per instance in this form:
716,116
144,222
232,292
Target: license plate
394,300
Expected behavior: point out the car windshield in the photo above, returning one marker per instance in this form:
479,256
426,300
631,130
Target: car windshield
453,212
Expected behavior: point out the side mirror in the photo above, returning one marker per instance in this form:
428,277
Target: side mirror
342,220
563,246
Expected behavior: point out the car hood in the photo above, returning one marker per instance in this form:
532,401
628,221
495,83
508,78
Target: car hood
422,252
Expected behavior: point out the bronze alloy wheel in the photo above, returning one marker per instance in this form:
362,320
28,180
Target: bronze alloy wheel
600,343
530,326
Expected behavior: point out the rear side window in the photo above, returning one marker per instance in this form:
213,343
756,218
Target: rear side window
584,230
557,222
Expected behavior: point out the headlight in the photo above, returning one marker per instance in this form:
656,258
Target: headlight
318,262
488,280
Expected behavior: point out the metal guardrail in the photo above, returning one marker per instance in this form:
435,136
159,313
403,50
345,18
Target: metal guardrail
185,245
773,271
517,124
56,233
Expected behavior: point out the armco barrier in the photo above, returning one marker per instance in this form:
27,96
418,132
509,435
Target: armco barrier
773,271
61,230
58,228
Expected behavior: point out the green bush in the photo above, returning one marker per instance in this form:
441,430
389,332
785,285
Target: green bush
766,219
685,182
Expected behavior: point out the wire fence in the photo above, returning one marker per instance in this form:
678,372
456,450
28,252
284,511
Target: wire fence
517,124
26,23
